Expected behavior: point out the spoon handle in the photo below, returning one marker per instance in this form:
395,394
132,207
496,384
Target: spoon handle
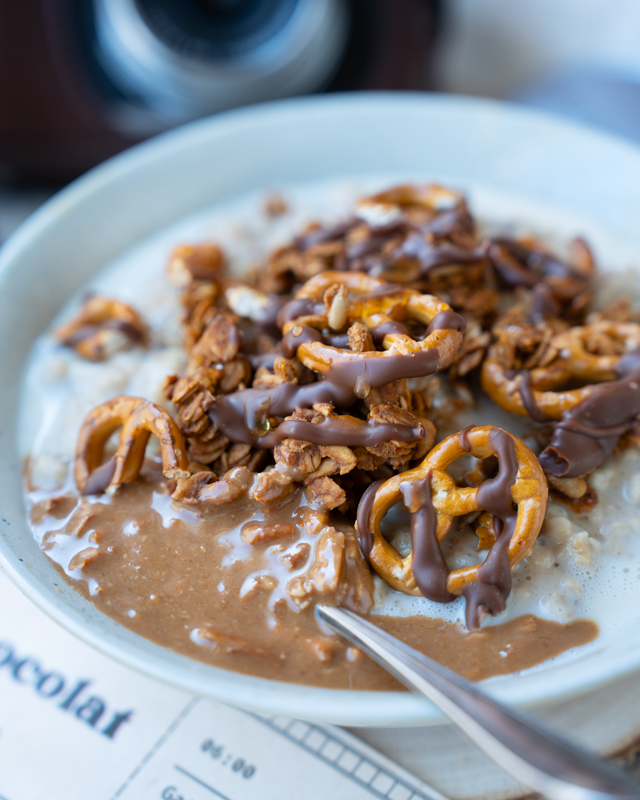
533,753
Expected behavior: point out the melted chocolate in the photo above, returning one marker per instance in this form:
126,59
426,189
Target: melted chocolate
519,265
299,334
321,235
543,303
99,480
448,320
529,399
365,507
588,433
267,321
299,307
463,438
87,331
339,340
427,255
242,414
452,222
428,566
389,328
490,591
258,360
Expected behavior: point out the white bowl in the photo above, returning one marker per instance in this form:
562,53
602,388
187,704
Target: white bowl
463,142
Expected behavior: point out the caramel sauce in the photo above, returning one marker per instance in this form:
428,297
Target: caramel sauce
235,586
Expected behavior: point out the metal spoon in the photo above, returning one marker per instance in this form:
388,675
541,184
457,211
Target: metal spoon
533,753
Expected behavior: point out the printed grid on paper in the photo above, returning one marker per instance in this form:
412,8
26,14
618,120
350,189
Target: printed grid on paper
361,769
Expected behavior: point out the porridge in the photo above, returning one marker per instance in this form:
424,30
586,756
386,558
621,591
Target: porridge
397,411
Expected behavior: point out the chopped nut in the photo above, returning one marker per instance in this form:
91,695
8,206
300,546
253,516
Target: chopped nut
189,263
228,643
297,556
84,557
324,649
258,532
325,571
571,487
326,493
339,310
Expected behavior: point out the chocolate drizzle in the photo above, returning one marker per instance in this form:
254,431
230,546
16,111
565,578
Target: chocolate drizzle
490,591
447,320
365,506
588,433
388,328
242,415
529,399
426,254
299,334
135,335
99,480
463,438
543,303
519,265
428,566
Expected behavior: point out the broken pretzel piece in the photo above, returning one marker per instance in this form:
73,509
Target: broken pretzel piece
139,419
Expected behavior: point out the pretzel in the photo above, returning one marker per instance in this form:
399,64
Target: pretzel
529,493
139,418
373,306
574,362
91,333
430,196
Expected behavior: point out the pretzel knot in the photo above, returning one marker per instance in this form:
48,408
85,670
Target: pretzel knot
531,393
434,499
382,307
138,418
100,328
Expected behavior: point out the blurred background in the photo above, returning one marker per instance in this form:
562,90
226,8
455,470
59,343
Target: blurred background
81,80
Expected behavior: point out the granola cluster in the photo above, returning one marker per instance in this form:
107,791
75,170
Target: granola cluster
320,371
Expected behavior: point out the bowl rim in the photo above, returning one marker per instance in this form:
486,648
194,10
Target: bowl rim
258,694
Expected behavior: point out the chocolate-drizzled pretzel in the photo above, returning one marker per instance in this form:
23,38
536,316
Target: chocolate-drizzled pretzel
138,418
531,393
381,307
517,498
92,333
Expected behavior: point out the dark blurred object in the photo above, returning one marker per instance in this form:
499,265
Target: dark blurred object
82,79
603,99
